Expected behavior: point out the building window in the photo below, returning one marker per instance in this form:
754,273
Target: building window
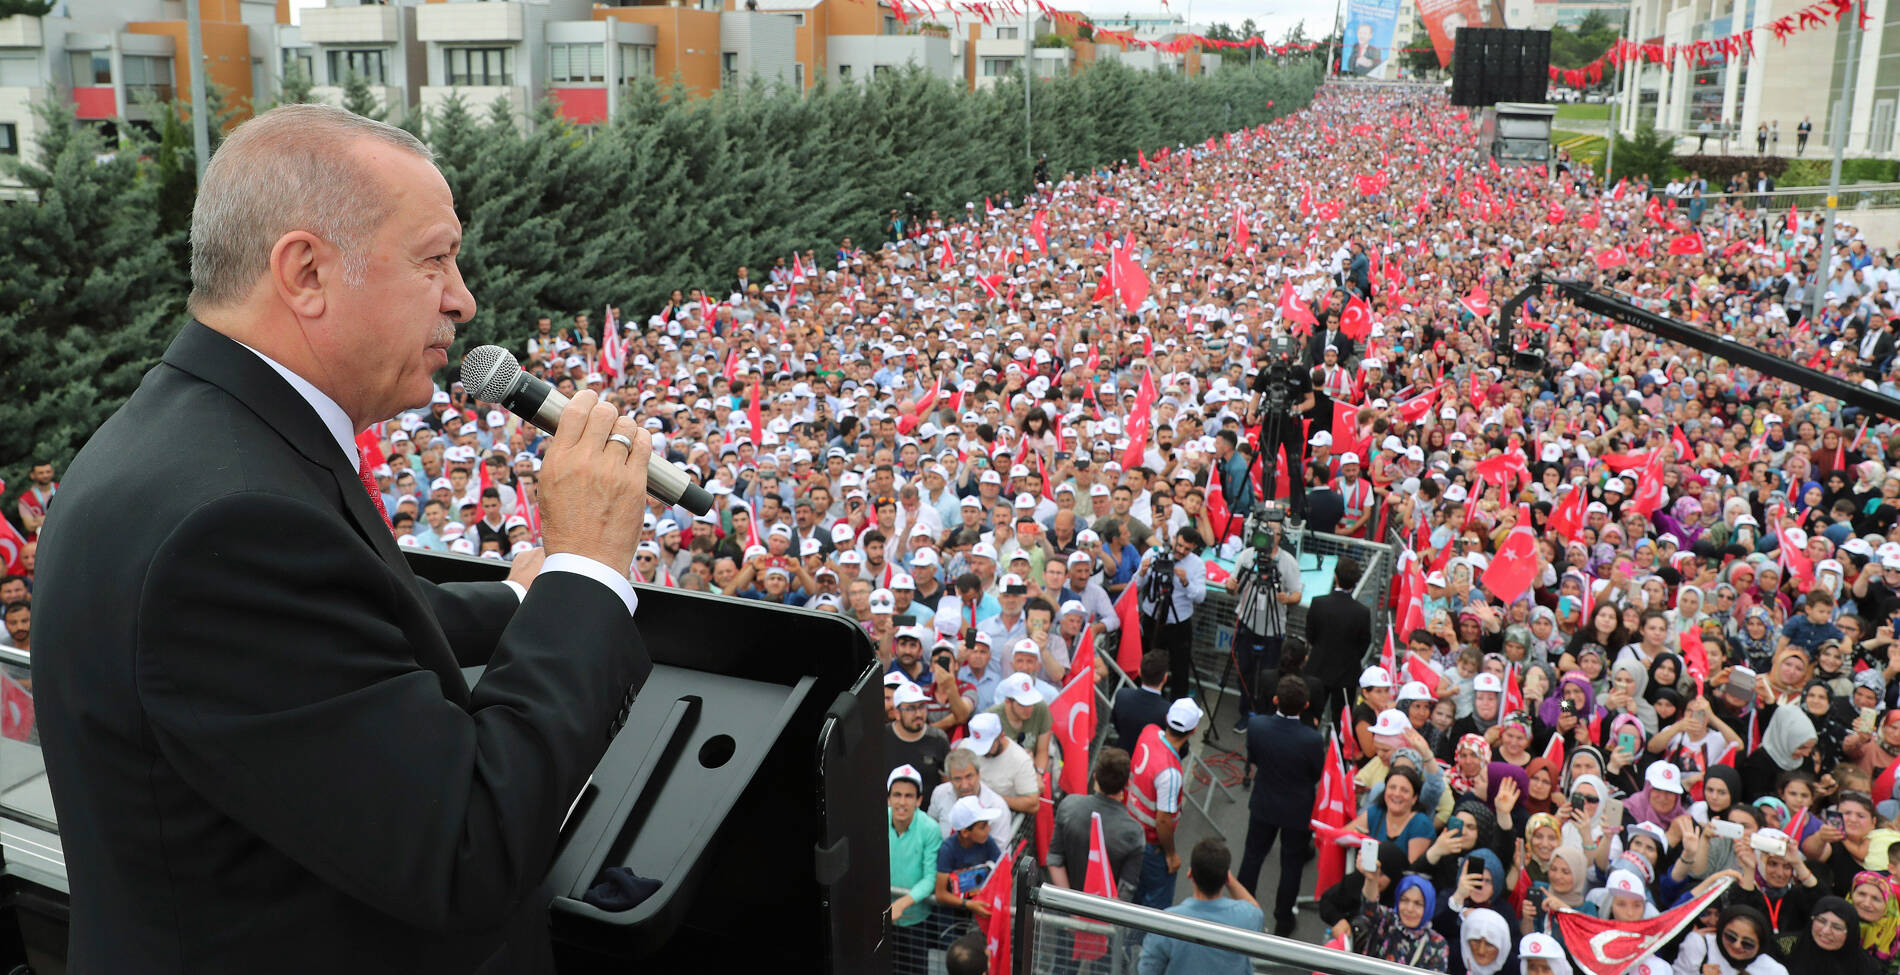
880,70
9,139
636,61
728,69
798,20
300,58
151,75
798,74
998,67
367,62
844,72
1009,34
577,63
19,71
92,68
483,65
890,26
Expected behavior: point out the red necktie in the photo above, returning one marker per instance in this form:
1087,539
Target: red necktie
369,484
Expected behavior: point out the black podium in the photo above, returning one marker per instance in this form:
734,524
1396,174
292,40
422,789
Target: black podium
747,780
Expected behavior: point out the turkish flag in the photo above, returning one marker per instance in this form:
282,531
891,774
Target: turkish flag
1073,712
16,709
992,283
1366,184
1100,881
1128,611
1686,244
1515,566
1683,451
371,446
1332,810
1478,302
1355,320
1039,229
1648,498
1218,514
1142,158
1610,257
1794,220
949,257
1589,221
1617,194
1415,409
1242,235
1601,946
1513,690
1294,310
996,894
1568,517
754,416
1554,751
12,544
1131,282
1654,211
1794,560
1556,213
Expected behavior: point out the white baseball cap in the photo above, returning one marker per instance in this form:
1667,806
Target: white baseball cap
1488,682
970,810
1664,776
883,602
1348,458
1375,677
905,771
1184,715
908,693
1622,883
1391,722
1020,688
985,728
1026,646
1414,691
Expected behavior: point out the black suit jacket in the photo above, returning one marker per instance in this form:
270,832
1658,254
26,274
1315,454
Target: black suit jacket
1338,631
262,749
1288,757
1321,338
1133,710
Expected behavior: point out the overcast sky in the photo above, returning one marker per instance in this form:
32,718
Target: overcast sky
1273,19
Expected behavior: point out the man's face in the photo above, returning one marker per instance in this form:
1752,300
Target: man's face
1079,573
1012,602
42,474
20,624
911,717
908,650
903,800
404,313
12,591
966,780
491,509
1025,663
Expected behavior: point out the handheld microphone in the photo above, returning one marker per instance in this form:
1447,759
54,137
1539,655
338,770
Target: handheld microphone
492,374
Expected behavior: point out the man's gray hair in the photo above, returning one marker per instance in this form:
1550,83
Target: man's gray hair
290,168
958,760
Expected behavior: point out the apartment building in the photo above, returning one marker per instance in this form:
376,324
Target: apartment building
1779,84
109,58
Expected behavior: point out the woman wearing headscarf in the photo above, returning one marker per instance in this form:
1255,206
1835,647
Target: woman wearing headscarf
1753,644
1591,808
1564,881
1831,943
1873,755
1628,680
1741,944
1781,887
1687,617
1540,787
1683,521
1572,713
1667,672
1470,765
1786,745
1403,932
1485,945
1547,638
1660,802
1789,676
1879,913
1829,730
1345,900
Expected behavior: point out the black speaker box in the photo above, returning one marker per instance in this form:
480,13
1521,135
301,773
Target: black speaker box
1495,64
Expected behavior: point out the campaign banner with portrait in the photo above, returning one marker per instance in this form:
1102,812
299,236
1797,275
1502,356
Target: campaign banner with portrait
1444,18
1367,51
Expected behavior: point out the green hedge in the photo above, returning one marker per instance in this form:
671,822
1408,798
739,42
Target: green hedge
674,192
1814,172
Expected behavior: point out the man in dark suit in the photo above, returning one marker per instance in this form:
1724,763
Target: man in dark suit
1325,507
1339,630
1326,334
1135,708
260,742
1288,758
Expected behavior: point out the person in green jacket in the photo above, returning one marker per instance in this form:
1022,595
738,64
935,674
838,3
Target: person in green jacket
914,838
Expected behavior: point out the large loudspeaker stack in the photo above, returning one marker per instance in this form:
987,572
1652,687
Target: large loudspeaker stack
1496,64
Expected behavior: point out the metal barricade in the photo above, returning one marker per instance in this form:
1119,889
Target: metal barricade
1214,620
1057,913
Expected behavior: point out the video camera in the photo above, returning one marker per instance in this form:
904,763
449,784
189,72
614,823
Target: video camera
1273,380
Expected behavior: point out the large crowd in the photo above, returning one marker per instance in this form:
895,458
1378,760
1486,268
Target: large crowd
975,442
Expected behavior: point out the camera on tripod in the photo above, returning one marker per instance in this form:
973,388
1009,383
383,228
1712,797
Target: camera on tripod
1265,524
1274,378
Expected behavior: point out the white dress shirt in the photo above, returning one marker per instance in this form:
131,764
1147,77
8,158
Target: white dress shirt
338,423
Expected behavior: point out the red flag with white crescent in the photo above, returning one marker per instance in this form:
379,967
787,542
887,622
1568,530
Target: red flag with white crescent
1601,946
1073,713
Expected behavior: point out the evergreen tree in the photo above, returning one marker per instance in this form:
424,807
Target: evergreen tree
359,97
296,86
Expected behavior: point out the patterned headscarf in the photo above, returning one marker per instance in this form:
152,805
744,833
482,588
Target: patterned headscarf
1475,745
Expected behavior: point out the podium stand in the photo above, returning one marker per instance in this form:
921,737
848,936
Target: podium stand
747,781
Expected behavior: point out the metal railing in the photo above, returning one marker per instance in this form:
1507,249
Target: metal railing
1061,910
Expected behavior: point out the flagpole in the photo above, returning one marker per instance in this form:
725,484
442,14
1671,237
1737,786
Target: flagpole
1029,74
1842,115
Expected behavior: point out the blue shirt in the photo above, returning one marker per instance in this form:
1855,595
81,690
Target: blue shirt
1167,956
1809,635
970,864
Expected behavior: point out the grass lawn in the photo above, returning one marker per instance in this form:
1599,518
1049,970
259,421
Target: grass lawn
1598,113
1585,148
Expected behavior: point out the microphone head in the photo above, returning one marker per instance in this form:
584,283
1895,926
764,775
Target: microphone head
489,373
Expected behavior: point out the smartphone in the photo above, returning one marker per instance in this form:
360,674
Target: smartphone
1455,824
1833,818
1727,830
1565,604
1866,722
1772,845
1626,740
1368,855
1473,865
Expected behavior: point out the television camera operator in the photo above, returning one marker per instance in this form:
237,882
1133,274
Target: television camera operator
1173,581
1283,390
1267,580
